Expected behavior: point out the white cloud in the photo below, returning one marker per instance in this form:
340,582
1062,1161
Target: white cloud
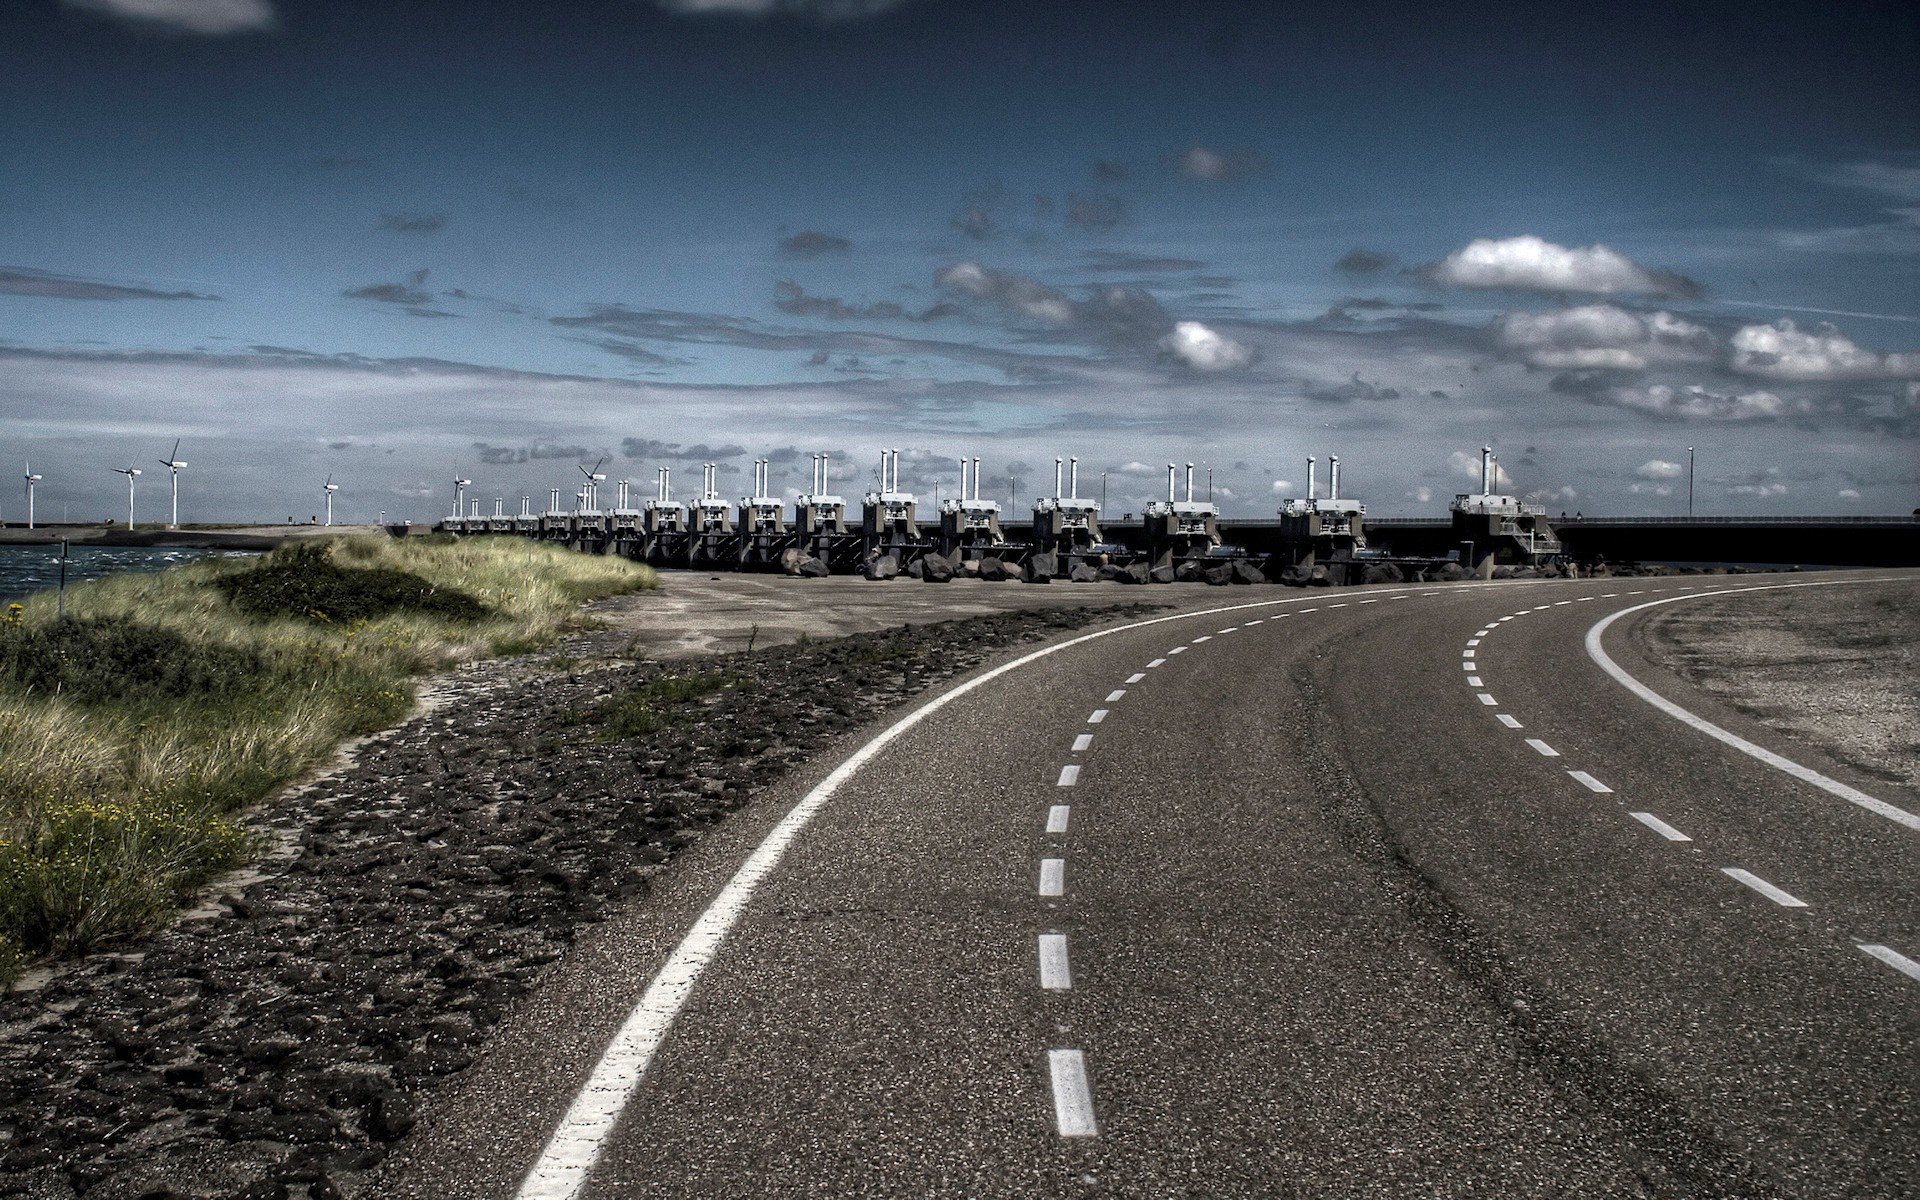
1532,264
1203,349
1694,402
1421,495
1559,495
1283,487
1464,463
1758,489
1848,494
1027,297
1219,166
209,17
1655,468
1782,350
1650,489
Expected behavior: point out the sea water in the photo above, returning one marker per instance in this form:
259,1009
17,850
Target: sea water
28,569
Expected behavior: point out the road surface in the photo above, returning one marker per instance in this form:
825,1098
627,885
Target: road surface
1368,892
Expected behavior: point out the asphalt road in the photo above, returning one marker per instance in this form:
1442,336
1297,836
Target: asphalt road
1374,892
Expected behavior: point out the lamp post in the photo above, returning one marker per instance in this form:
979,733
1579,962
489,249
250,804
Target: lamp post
1103,491
1689,481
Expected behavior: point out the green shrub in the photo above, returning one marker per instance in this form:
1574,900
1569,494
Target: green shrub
302,580
102,660
647,708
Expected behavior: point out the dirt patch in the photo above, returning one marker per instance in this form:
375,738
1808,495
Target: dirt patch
1833,667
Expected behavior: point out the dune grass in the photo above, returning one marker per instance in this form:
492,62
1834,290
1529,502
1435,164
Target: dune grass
134,731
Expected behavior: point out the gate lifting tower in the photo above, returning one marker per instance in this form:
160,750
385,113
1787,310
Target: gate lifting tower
525,523
711,531
499,522
1322,530
970,526
888,526
1498,530
663,523
626,535
1065,525
1181,530
763,523
555,522
820,522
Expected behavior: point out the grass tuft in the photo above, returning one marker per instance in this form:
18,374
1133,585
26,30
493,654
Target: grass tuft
133,731
650,707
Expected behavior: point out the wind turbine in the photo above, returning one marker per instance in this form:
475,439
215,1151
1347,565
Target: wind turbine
173,464
31,480
594,480
329,487
132,473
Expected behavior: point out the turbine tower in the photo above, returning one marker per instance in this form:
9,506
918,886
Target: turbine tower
329,487
594,479
173,464
132,473
31,480
459,497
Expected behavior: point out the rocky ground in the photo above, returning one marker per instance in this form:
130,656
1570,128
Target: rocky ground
1833,667
275,1043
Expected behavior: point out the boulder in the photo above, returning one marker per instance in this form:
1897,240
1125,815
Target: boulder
884,567
1186,572
936,568
1136,573
995,570
1161,575
790,560
967,568
1042,566
1218,575
1245,572
915,569
1107,573
812,568
1451,573
1084,574
1382,573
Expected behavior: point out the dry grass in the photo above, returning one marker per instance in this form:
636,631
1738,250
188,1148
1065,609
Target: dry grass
113,810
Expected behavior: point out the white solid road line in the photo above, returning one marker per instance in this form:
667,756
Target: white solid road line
1069,775
1778,762
570,1154
1782,898
1509,720
1660,827
1053,876
1054,973
1057,818
1072,1098
1136,677
1487,699
1894,959
1589,782
1098,715
1543,748
1115,694
1082,742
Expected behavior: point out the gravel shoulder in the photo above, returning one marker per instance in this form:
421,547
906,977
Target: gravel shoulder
1830,667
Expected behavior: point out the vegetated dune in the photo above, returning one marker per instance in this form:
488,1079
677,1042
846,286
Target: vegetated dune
133,729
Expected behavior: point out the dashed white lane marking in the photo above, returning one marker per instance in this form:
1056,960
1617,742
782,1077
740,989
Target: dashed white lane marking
1608,595
1540,608
1638,592
1558,603
1469,652
1115,694
1503,620
1466,666
1473,681
1584,599
569,1156
1158,662
1177,650
1072,1098
1082,742
1057,818
1342,604
1509,720
1375,600
1308,610
1893,958
1230,629
1069,775
1473,641
1055,976
1136,677
1487,699
1778,762
1053,876
1205,637
1589,782
1660,827
1399,597
1257,621
1098,715
1782,898
1543,748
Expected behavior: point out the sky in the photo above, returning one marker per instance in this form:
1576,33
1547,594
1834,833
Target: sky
400,242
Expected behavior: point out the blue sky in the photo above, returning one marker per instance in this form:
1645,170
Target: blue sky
398,242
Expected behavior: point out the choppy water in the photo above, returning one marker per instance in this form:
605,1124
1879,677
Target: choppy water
28,569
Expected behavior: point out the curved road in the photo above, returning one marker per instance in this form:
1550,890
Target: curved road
1371,892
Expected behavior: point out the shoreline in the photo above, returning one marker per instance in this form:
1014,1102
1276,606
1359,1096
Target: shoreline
239,537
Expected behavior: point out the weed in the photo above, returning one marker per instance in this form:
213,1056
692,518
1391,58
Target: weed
648,708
